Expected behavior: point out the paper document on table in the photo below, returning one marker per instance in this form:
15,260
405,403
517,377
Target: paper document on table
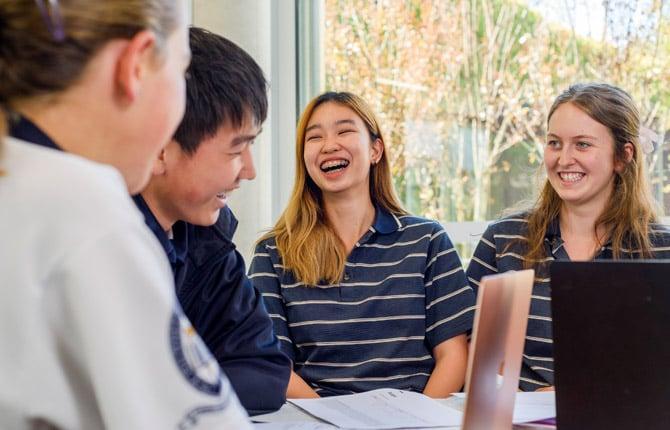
528,406
294,426
381,409
533,406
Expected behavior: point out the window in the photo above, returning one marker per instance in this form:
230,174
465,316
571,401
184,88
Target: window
462,89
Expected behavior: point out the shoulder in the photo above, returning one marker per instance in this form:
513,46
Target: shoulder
418,225
54,187
510,225
28,160
266,245
659,236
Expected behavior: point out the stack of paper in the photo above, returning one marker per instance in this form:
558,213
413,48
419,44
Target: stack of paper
388,409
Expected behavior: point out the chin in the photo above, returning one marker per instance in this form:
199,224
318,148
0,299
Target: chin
204,220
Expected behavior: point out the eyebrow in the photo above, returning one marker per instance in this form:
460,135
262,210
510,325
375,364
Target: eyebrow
338,122
345,121
580,136
240,140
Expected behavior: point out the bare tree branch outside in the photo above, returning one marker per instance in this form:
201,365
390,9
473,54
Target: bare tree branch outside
463,88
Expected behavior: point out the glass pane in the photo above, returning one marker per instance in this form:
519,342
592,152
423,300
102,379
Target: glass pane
462,88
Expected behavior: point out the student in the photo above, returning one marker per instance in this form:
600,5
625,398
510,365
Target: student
185,207
361,294
91,333
595,205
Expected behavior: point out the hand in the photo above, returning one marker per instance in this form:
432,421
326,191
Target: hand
550,388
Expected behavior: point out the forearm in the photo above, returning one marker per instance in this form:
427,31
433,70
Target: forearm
448,376
299,389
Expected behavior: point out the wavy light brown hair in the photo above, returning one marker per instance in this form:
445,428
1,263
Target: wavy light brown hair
630,210
306,242
44,48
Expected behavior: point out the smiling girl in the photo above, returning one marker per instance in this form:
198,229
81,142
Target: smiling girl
595,205
362,295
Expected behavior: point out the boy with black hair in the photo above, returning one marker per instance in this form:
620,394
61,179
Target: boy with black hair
185,206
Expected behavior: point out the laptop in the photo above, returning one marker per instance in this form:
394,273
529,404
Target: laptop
499,332
611,329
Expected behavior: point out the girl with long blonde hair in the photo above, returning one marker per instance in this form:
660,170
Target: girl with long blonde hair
595,204
362,294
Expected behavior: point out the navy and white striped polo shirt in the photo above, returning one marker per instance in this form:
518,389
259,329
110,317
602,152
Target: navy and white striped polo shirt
501,249
404,292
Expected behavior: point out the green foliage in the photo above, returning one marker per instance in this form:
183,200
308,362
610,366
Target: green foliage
462,88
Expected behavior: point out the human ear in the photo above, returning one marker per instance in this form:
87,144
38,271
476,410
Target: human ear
376,151
628,152
159,166
132,64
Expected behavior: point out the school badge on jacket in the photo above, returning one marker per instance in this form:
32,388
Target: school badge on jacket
192,356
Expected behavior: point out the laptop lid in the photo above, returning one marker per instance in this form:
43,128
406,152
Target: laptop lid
503,303
611,329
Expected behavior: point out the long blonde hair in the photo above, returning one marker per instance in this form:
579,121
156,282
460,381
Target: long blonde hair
306,242
63,36
630,209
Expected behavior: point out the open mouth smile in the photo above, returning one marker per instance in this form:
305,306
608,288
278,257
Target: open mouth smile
332,166
571,176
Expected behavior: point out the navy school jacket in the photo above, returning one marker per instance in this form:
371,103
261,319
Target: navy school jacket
225,309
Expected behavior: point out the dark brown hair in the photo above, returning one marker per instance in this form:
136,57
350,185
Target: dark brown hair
630,210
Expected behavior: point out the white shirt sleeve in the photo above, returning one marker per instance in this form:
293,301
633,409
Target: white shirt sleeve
120,329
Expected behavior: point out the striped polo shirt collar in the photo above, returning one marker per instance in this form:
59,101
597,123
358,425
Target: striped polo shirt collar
385,222
554,241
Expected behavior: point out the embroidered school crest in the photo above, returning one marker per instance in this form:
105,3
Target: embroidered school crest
192,356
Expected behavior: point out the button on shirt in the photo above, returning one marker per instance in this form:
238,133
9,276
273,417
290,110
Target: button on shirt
501,249
403,293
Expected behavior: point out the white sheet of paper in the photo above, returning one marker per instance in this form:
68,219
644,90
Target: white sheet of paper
294,426
381,409
528,407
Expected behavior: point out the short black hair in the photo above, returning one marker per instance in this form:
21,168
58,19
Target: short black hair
224,85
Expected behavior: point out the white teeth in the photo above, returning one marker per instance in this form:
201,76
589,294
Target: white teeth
571,177
334,164
221,195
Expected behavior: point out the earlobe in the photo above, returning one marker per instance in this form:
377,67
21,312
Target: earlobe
133,62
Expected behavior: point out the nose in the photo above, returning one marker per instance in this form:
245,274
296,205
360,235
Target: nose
566,156
330,145
248,170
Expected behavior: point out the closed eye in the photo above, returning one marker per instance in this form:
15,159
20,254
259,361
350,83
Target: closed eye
341,132
313,137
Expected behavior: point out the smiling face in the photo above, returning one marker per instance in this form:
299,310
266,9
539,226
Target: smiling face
338,150
579,158
194,187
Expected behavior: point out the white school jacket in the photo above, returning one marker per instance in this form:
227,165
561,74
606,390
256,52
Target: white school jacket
90,333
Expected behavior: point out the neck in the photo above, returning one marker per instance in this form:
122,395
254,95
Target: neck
70,125
350,216
162,214
579,233
581,219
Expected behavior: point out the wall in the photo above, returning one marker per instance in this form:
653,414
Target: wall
265,29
